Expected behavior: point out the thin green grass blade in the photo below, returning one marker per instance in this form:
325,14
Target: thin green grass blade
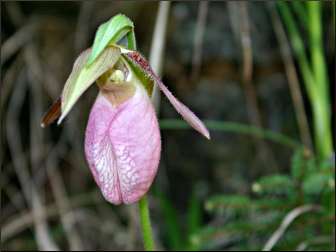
234,127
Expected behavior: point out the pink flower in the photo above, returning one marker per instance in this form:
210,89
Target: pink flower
122,140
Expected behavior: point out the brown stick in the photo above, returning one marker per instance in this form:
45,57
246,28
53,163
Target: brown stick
198,39
17,41
157,47
24,220
253,110
29,190
251,97
36,77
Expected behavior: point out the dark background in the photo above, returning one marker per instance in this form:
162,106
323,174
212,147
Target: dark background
48,36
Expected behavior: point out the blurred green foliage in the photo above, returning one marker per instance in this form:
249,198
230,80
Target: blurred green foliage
249,220
246,222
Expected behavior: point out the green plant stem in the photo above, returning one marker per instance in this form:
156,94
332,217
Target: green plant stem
235,128
322,109
301,12
314,75
146,224
299,49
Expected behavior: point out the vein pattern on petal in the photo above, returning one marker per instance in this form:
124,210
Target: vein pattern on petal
122,147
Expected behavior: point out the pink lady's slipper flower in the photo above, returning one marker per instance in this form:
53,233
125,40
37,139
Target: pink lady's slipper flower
122,139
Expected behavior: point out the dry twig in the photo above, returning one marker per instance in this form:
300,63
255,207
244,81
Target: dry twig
157,47
198,38
17,41
36,134
241,27
289,218
32,197
20,222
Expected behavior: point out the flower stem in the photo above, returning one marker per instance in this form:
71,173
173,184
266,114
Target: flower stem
156,62
146,224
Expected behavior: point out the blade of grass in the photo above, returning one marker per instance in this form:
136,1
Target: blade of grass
301,12
292,76
323,135
299,49
171,222
194,219
233,127
315,83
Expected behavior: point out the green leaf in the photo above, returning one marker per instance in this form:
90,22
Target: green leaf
82,77
274,184
131,42
297,163
109,33
228,201
194,214
316,182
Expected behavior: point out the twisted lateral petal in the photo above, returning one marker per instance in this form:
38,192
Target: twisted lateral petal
185,112
141,66
81,77
122,146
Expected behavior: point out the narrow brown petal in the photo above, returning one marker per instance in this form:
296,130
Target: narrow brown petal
52,114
